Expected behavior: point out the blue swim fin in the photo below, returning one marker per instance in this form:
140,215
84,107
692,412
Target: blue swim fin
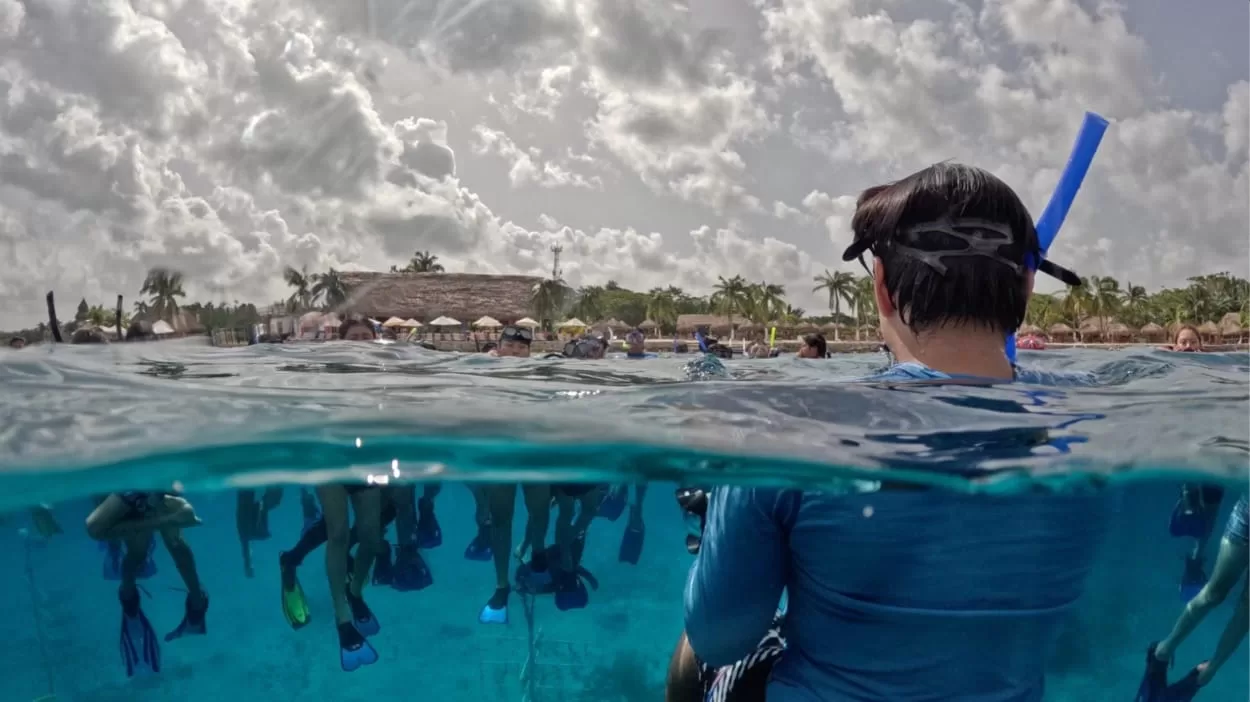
141,650
613,504
355,651
362,616
411,572
631,543
496,609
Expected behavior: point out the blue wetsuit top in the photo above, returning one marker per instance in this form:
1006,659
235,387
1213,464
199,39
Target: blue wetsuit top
895,594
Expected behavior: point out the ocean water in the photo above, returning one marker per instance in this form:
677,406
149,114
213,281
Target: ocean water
76,422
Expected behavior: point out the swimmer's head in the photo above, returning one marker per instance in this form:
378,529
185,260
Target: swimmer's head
1187,339
952,246
588,346
814,346
635,342
515,341
356,330
17,342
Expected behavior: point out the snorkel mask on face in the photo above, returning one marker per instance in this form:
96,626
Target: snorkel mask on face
588,346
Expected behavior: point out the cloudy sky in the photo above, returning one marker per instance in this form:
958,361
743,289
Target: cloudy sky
658,142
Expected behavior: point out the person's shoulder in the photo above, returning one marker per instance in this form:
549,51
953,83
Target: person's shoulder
906,371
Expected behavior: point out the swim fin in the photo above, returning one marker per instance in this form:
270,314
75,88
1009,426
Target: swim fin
1187,522
613,504
383,567
429,533
354,650
141,651
1155,679
294,604
1193,579
570,592
479,548
193,620
1182,690
362,616
496,609
631,542
411,571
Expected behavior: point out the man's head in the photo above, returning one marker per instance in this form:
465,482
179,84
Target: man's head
587,346
635,343
814,346
17,342
356,330
953,247
515,341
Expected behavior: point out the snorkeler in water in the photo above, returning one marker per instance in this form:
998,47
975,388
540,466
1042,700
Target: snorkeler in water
1230,567
1194,517
252,521
134,518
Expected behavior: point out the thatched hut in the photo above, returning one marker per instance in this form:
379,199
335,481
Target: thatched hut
1153,332
424,296
1091,329
1060,332
1210,331
1029,329
716,324
1230,326
649,327
1119,331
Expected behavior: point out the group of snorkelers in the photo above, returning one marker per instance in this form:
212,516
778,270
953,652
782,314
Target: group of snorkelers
891,590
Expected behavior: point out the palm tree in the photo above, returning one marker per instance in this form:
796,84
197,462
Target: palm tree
589,305
840,286
768,302
164,288
421,262
864,299
302,298
1133,300
1105,295
662,308
329,288
548,298
730,297
141,308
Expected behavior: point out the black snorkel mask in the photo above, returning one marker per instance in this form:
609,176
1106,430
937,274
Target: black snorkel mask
693,504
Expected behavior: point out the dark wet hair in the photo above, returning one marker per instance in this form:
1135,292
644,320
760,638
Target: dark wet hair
489,346
817,341
347,325
14,341
88,335
986,291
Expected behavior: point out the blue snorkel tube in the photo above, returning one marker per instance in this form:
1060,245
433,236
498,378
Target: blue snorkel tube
1087,141
698,336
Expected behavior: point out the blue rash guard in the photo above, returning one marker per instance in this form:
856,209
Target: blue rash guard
896,594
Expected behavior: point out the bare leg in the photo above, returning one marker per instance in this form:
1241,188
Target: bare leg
114,518
683,683
244,520
404,497
1230,640
481,505
137,547
502,501
368,506
1230,564
538,505
334,511
184,561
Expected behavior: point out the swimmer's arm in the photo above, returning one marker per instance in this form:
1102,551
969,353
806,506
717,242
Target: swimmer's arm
738,576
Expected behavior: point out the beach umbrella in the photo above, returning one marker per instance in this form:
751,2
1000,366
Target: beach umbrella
393,323
1230,324
412,324
161,328
445,322
526,322
487,323
572,323
1153,331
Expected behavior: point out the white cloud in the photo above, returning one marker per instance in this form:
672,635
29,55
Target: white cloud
669,144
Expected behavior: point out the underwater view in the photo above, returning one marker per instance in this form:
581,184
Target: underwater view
247,581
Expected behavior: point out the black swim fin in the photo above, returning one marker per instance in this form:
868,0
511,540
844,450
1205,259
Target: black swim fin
140,647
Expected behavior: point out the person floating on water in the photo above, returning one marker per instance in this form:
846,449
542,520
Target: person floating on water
1230,566
134,518
966,607
814,346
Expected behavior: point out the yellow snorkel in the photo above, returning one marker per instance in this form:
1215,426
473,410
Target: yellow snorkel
772,337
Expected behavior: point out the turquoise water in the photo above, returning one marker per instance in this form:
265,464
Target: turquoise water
83,421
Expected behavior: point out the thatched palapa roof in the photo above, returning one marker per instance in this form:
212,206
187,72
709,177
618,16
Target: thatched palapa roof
717,324
424,296
648,324
1153,331
1230,324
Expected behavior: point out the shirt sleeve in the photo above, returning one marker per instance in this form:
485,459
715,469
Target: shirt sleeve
739,575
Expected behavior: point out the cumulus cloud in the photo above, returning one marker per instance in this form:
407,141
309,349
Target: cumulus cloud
231,138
